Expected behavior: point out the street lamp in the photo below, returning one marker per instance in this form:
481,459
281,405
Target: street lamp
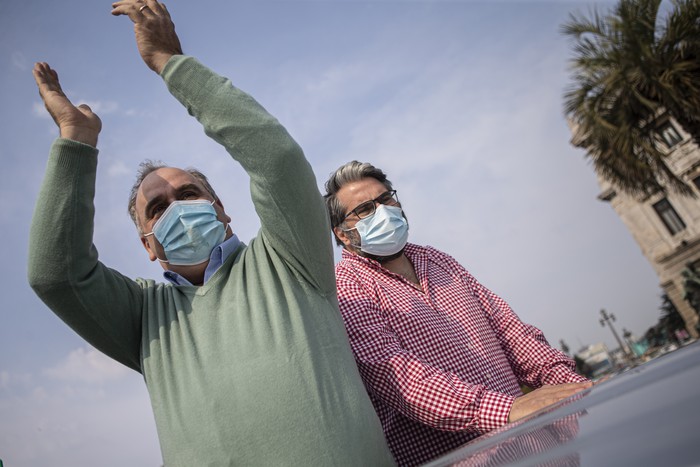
609,319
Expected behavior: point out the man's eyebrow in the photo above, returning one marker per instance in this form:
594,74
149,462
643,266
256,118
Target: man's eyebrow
373,200
154,201
189,186
160,198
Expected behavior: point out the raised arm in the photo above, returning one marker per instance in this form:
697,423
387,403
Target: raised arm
75,123
99,304
283,186
156,39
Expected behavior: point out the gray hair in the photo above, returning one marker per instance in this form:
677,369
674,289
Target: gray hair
148,166
351,172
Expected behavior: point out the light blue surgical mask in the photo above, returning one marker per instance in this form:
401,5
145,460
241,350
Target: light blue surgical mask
188,231
384,233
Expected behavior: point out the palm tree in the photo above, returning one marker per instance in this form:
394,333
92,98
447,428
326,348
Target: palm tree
670,317
628,73
691,286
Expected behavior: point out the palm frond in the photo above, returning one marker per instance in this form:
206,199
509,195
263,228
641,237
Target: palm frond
626,70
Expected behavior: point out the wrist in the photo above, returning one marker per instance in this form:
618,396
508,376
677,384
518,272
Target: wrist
159,61
81,135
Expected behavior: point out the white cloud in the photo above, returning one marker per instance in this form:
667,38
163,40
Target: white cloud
47,425
39,394
99,107
15,381
19,61
87,365
39,110
119,169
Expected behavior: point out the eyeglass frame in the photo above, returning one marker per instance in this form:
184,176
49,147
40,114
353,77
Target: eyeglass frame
392,196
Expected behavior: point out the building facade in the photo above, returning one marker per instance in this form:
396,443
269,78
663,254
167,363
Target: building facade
666,226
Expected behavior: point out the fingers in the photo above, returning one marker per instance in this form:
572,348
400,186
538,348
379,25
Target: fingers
548,394
130,8
153,7
603,379
137,10
166,13
46,79
543,397
87,111
41,71
562,391
569,388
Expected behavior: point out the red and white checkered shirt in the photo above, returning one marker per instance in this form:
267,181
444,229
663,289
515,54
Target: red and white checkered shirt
443,365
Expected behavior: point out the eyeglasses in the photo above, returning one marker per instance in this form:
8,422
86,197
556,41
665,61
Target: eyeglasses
367,208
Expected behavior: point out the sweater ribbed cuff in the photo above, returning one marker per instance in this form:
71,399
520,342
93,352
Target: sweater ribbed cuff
72,156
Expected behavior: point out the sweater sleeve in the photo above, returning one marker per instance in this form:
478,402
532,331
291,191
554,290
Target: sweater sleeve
282,183
98,303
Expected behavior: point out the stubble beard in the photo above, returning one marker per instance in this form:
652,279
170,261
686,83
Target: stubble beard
356,240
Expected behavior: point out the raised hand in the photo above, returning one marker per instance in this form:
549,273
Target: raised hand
155,32
542,397
76,123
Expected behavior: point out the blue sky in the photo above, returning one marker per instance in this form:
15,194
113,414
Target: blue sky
459,102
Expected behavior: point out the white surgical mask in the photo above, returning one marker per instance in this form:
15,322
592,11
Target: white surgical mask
384,233
188,231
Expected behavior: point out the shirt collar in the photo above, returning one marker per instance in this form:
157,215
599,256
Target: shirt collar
217,258
410,250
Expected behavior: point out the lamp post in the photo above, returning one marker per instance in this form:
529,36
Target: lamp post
609,319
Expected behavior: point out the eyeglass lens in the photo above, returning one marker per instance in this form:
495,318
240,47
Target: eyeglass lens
367,208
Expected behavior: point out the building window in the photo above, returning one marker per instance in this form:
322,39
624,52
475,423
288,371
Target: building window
669,216
696,182
669,134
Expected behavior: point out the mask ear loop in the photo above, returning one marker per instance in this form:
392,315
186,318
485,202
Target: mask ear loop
359,247
165,261
227,225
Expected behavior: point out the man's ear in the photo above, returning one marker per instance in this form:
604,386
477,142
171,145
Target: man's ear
151,252
227,218
342,236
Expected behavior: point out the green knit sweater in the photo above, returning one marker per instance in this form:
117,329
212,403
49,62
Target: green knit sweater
253,367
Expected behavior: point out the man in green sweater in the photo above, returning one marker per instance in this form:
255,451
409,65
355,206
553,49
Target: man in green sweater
245,355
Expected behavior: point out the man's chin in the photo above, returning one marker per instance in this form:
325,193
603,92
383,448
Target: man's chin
380,259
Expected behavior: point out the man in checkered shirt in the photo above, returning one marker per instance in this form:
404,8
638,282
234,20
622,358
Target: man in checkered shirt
441,356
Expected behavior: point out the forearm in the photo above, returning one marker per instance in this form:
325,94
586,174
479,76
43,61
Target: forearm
434,397
562,372
233,119
534,361
63,265
283,186
53,232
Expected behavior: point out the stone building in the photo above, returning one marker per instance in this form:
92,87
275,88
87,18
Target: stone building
667,226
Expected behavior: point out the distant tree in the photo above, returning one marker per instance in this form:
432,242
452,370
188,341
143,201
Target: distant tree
670,316
691,286
583,368
628,72
669,321
655,336
563,346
